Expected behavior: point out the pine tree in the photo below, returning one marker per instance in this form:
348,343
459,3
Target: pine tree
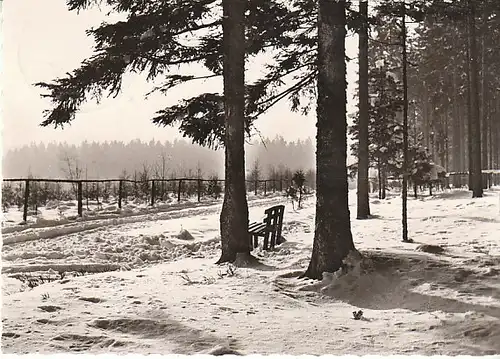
152,41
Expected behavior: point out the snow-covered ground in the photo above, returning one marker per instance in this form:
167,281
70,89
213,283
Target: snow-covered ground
168,296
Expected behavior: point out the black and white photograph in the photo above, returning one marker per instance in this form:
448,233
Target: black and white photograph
250,177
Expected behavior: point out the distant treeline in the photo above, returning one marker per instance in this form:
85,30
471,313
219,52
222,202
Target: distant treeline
164,160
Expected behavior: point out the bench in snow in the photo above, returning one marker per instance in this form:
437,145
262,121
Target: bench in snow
269,227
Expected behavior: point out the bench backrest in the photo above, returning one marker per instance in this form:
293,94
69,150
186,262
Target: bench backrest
274,219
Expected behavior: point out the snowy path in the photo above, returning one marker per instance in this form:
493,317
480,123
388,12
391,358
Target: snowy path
413,302
127,240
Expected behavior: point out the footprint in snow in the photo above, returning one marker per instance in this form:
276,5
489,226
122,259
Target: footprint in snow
91,299
49,308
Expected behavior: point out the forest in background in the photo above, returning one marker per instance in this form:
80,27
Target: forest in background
177,158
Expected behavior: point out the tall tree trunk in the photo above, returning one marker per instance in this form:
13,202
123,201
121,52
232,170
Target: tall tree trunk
456,136
363,205
484,101
379,174
477,179
491,130
446,141
404,195
432,131
332,237
469,112
462,153
495,129
496,119
383,183
234,214
427,125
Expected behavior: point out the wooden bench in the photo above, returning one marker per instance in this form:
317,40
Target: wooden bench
269,227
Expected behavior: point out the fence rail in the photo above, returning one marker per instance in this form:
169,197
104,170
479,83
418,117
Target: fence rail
277,185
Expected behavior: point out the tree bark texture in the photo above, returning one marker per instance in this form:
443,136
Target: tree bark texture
332,236
234,214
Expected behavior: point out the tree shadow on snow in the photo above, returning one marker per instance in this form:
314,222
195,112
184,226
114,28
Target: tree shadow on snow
483,219
252,262
415,282
459,194
185,339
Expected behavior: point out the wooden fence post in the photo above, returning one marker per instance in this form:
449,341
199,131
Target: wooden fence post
35,197
199,190
97,192
87,194
120,189
281,184
255,187
153,193
179,191
26,199
80,199
265,188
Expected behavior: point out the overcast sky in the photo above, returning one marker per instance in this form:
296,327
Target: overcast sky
43,40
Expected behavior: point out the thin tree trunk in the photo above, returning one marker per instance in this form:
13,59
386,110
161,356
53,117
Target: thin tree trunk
379,173
363,205
383,185
426,118
495,120
446,142
332,237
491,130
495,114
234,214
456,136
484,103
477,180
432,133
461,154
404,194
469,113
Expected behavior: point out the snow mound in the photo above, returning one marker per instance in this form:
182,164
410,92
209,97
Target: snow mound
356,278
184,235
430,248
223,350
474,326
407,280
52,204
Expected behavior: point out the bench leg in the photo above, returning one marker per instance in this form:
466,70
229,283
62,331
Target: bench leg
255,241
273,240
266,242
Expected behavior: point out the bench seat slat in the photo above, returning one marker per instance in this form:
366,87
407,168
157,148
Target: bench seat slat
254,224
257,227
